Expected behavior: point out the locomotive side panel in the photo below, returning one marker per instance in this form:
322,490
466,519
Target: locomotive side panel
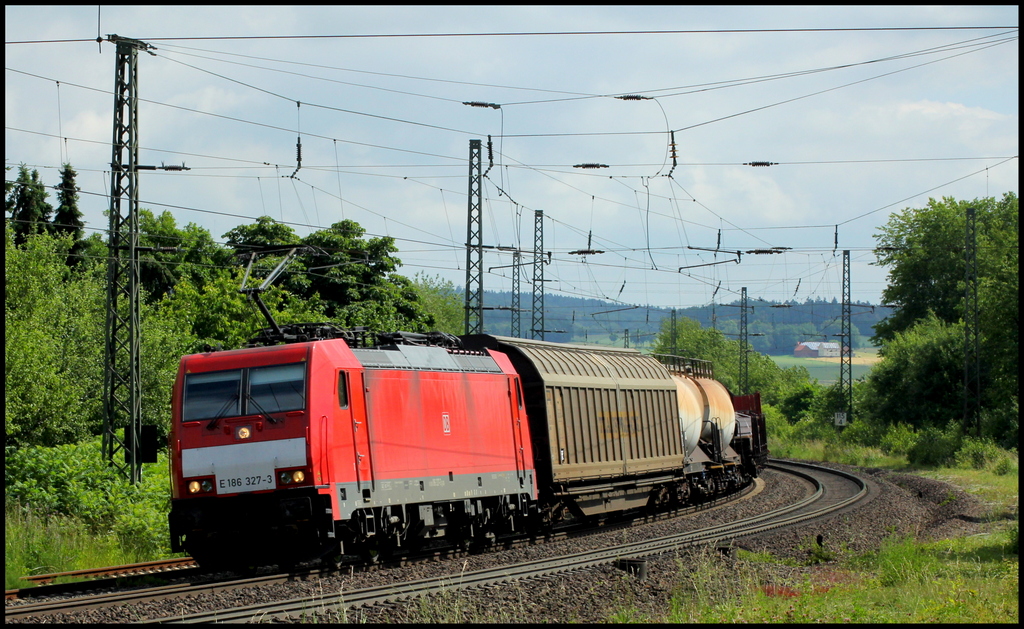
433,423
433,436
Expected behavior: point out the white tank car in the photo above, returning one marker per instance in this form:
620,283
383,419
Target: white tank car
703,404
691,411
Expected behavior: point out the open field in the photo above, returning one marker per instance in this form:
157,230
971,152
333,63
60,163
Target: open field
826,370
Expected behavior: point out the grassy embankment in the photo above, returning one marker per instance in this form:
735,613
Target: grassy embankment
967,579
37,544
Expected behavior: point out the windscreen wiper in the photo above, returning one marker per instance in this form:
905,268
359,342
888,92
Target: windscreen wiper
265,415
216,418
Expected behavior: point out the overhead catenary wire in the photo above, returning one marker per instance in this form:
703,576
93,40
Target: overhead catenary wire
649,249
542,33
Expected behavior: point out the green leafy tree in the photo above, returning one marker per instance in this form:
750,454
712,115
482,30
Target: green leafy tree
217,314
924,250
265,232
165,338
94,251
920,378
354,278
441,300
67,219
30,213
53,343
196,255
358,280
268,235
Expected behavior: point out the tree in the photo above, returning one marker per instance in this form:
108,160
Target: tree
53,343
67,219
265,232
217,314
924,249
196,256
920,378
30,213
359,282
441,300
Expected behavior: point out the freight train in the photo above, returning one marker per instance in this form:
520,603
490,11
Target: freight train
339,442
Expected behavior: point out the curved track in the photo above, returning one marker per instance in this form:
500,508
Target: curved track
829,491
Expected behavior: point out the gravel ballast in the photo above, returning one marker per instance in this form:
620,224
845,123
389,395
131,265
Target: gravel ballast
901,504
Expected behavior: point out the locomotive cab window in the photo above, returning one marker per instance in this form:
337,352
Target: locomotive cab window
209,395
277,388
239,392
342,389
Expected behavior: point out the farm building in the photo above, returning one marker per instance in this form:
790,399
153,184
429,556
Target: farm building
816,349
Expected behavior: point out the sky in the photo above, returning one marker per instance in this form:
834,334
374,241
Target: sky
862,112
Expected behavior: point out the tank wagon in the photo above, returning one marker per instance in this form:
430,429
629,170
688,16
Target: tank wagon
338,442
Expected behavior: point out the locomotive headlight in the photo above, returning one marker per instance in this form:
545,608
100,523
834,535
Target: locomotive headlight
290,477
203,486
243,432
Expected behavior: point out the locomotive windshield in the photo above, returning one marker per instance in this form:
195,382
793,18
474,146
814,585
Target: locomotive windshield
278,388
236,392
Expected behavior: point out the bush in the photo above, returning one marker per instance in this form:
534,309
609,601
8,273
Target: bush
813,429
898,440
977,454
935,447
1004,467
75,481
863,432
776,424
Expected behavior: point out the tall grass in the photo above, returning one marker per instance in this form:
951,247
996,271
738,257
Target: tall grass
36,544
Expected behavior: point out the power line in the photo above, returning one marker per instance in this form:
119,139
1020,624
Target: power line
543,33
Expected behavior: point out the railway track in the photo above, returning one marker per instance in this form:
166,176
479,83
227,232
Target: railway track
126,584
129,588
833,491
103,578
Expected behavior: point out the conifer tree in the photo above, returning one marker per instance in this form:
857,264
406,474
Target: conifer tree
30,213
68,218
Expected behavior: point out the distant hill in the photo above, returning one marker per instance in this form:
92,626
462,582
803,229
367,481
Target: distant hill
783,324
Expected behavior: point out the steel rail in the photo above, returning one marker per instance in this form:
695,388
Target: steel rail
146,567
336,603
210,586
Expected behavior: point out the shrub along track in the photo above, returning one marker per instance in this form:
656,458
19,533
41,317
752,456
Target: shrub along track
318,587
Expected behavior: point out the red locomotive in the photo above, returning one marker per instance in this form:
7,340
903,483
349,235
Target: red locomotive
329,444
